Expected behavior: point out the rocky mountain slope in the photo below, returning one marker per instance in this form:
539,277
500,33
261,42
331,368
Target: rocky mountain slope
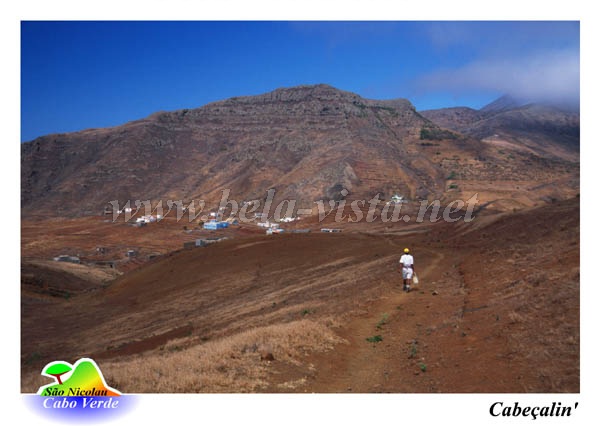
544,130
307,142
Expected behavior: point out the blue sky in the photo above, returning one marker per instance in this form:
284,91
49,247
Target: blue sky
83,74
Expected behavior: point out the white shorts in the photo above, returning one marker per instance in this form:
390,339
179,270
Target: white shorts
407,273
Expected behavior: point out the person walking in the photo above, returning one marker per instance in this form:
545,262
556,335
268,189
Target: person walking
407,268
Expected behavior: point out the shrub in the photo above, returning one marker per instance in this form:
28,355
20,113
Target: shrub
436,134
382,321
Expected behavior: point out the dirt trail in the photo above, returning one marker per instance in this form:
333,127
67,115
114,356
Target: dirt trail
390,365
482,319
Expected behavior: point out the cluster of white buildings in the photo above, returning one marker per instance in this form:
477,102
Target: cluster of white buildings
148,219
267,224
273,227
396,199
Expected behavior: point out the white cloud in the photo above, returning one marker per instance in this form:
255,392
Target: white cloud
543,76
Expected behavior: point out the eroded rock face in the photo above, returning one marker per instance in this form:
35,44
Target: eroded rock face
307,142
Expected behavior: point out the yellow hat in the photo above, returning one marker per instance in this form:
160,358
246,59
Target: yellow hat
406,250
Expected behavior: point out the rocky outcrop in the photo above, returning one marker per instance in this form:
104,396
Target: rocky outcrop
306,142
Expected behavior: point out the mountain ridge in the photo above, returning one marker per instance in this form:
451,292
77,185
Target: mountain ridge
548,130
307,142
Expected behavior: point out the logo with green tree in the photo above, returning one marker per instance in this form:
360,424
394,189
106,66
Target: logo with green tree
84,378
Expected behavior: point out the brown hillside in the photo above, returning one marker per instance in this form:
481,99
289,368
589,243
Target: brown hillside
494,312
541,130
307,142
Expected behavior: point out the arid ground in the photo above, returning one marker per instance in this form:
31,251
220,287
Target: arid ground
496,309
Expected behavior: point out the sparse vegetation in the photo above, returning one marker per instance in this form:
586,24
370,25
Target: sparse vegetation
391,110
382,322
413,350
375,339
251,300
221,365
436,133
515,318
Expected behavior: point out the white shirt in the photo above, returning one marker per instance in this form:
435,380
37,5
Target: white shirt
407,260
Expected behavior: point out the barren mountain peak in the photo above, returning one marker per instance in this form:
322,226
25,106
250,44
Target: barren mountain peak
322,92
308,142
503,103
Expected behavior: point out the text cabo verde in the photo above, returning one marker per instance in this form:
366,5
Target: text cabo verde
81,402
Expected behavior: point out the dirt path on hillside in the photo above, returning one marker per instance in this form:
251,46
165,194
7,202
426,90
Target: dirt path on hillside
364,364
402,320
493,312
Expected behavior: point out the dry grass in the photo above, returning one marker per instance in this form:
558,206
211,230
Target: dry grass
515,318
233,364
96,275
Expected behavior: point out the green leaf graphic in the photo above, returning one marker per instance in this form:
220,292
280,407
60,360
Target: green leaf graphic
58,370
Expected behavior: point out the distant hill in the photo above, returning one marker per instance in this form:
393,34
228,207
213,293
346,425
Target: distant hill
503,103
545,130
457,118
307,142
